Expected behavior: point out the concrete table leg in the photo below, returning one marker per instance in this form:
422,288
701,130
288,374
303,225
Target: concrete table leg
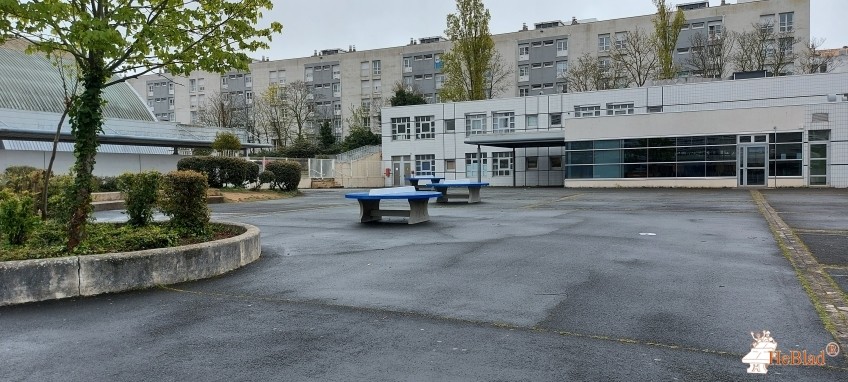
366,209
418,211
444,197
473,195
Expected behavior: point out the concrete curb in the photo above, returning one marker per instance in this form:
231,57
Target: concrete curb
825,295
49,279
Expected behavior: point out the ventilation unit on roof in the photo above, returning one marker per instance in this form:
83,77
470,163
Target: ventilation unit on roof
327,52
548,24
695,5
430,40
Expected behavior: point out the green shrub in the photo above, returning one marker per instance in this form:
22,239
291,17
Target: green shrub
184,201
59,198
226,142
266,177
300,149
286,174
106,184
140,193
23,179
222,170
17,216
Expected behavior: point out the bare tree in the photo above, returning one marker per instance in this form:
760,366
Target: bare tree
225,110
69,74
635,58
813,60
273,120
763,48
592,73
498,76
710,55
297,104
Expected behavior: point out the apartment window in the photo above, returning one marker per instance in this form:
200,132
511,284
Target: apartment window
475,124
523,91
318,68
561,87
450,165
378,87
150,102
337,108
407,80
555,118
620,38
366,104
224,81
150,88
309,74
714,29
171,117
502,163
786,22
366,87
337,89
523,73
603,42
193,117
685,27
503,122
201,84
327,67
561,68
424,128
450,125
193,101
604,63
429,98
587,111
407,64
171,103
437,64
549,85
537,65
532,163
549,64
400,129
419,57
375,65
272,76
473,164
366,121
532,122
536,44
425,165
364,68
682,50
536,86
440,81
428,76
192,85
337,73
697,25
523,52
248,80
248,96
428,56
419,77
562,47
767,23
619,108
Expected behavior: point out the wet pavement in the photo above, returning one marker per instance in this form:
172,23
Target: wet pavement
532,284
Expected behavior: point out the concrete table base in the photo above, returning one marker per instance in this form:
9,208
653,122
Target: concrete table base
473,195
369,211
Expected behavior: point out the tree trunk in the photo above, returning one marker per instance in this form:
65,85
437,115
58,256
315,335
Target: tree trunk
52,159
86,123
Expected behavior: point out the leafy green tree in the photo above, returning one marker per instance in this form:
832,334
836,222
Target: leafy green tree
360,137
406,96
326,136
472,68
667,26
115,40
226,143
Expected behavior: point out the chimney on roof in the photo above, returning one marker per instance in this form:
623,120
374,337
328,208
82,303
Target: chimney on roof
723,3
574,20
315,53
353,47
524,26
411,41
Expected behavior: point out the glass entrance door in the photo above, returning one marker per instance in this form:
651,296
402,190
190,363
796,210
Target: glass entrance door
753,165
818,164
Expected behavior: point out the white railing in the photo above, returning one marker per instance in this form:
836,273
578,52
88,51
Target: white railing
322,168
358,153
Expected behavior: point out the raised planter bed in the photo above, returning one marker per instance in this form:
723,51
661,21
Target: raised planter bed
49,279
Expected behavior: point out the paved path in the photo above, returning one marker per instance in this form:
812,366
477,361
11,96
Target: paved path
531,284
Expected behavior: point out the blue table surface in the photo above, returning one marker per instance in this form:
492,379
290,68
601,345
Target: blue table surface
404,195
469,184
423,178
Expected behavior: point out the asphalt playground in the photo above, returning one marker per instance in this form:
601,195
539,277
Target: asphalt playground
538,284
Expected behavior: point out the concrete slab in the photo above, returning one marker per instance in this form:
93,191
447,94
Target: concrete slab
533,284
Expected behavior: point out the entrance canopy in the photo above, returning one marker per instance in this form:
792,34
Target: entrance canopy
552,138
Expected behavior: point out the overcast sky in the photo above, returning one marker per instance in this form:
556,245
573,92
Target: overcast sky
370,24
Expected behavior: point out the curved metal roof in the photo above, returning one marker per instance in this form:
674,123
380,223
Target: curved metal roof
31,82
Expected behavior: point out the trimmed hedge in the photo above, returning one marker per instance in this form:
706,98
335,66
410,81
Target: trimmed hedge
222,170
140,192
286,174
17,216
183,199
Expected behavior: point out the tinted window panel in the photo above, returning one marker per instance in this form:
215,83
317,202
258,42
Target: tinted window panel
661,142
721,139
626,143
691,141
690,170
786,168
690,154
634,170
579,172
662,170
607,156
662,155
783,152
580,157
819,135
580,145
721,169
634,155
718,153
613,144
608,171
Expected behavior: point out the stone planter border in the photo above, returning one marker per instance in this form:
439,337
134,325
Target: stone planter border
48,279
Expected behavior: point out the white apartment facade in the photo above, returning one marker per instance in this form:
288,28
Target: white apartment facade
787,131
343,79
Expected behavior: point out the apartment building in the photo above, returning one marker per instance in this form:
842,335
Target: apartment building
538,57
788,131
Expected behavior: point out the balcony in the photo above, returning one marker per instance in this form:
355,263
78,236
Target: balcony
407,69
562,53
523,57
524,78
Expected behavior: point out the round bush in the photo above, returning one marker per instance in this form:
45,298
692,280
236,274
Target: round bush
266,177
286,174
183,199
140,192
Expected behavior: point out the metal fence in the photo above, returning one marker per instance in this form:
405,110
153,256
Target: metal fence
322,168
